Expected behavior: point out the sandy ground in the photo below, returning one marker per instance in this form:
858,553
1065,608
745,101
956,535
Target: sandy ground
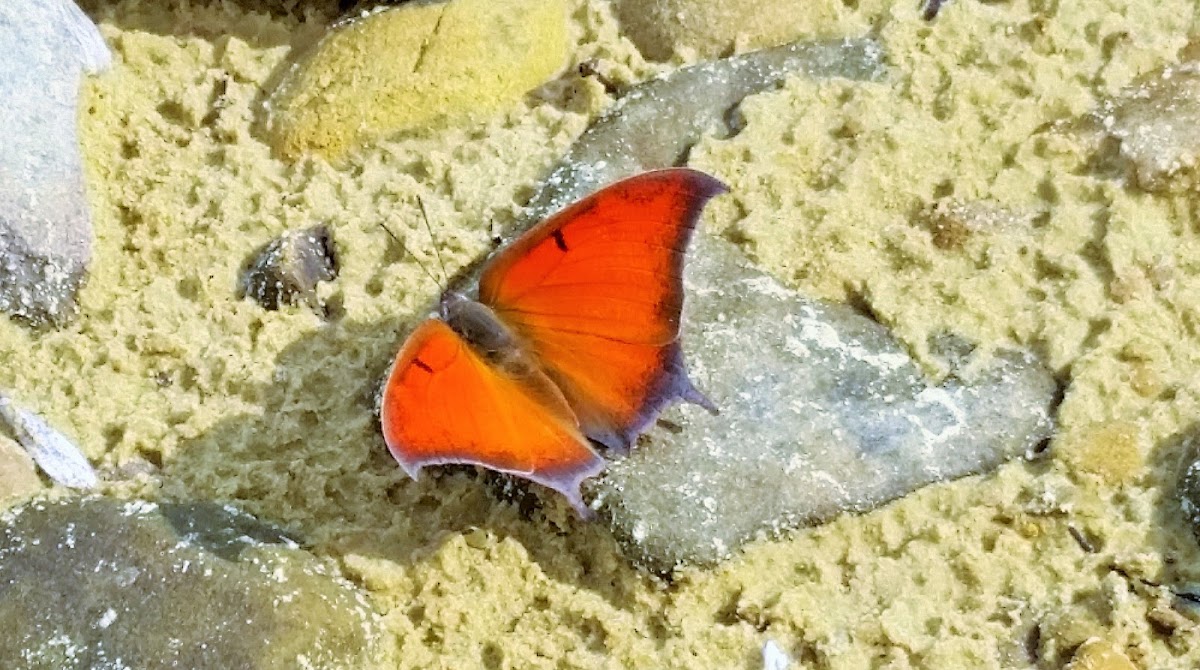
180,390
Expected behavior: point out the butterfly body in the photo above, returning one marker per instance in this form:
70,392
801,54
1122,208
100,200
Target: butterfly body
479,326
574,340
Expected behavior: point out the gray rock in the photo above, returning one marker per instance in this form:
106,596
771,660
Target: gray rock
930,9
287,269
822,412
100,583
1189,482
45,232
1151,130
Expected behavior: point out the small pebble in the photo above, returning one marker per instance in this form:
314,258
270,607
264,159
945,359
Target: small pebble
773,657
56,455
18,474
286,271
1189,483
1098,654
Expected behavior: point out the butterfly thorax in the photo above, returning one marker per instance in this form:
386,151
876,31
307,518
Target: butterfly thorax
479,326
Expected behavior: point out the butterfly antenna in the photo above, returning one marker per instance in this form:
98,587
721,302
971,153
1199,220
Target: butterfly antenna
410,254
432,240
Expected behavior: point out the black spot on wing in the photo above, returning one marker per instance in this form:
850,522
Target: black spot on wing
559,240
423,365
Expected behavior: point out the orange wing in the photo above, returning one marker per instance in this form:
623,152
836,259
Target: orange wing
442,403
596,291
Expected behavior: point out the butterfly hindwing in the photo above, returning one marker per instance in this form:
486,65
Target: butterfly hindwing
596,292
443,403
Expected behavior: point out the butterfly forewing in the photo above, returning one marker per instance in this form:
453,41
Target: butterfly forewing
596,292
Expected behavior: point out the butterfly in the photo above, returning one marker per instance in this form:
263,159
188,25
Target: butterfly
574,340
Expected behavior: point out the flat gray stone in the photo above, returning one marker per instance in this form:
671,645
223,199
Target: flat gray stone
45,231
822,412
101,583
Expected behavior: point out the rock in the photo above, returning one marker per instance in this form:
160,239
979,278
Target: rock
287,269
1151,130
821,412
1189,481
1098,654
1187,600
773,657
1167,620
18,476
54,453
403,67
45,231
659,28
930,9
100,583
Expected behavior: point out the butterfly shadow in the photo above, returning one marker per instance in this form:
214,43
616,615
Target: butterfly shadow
311,458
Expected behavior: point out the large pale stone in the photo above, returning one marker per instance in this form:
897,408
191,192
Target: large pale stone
45,231
403,67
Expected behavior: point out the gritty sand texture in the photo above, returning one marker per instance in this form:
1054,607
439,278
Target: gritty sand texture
177,389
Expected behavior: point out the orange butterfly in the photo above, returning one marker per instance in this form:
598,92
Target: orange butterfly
575,337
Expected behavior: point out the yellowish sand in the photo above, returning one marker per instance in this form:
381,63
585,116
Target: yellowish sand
180,390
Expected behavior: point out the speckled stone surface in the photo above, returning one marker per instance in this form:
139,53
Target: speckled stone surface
101,583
